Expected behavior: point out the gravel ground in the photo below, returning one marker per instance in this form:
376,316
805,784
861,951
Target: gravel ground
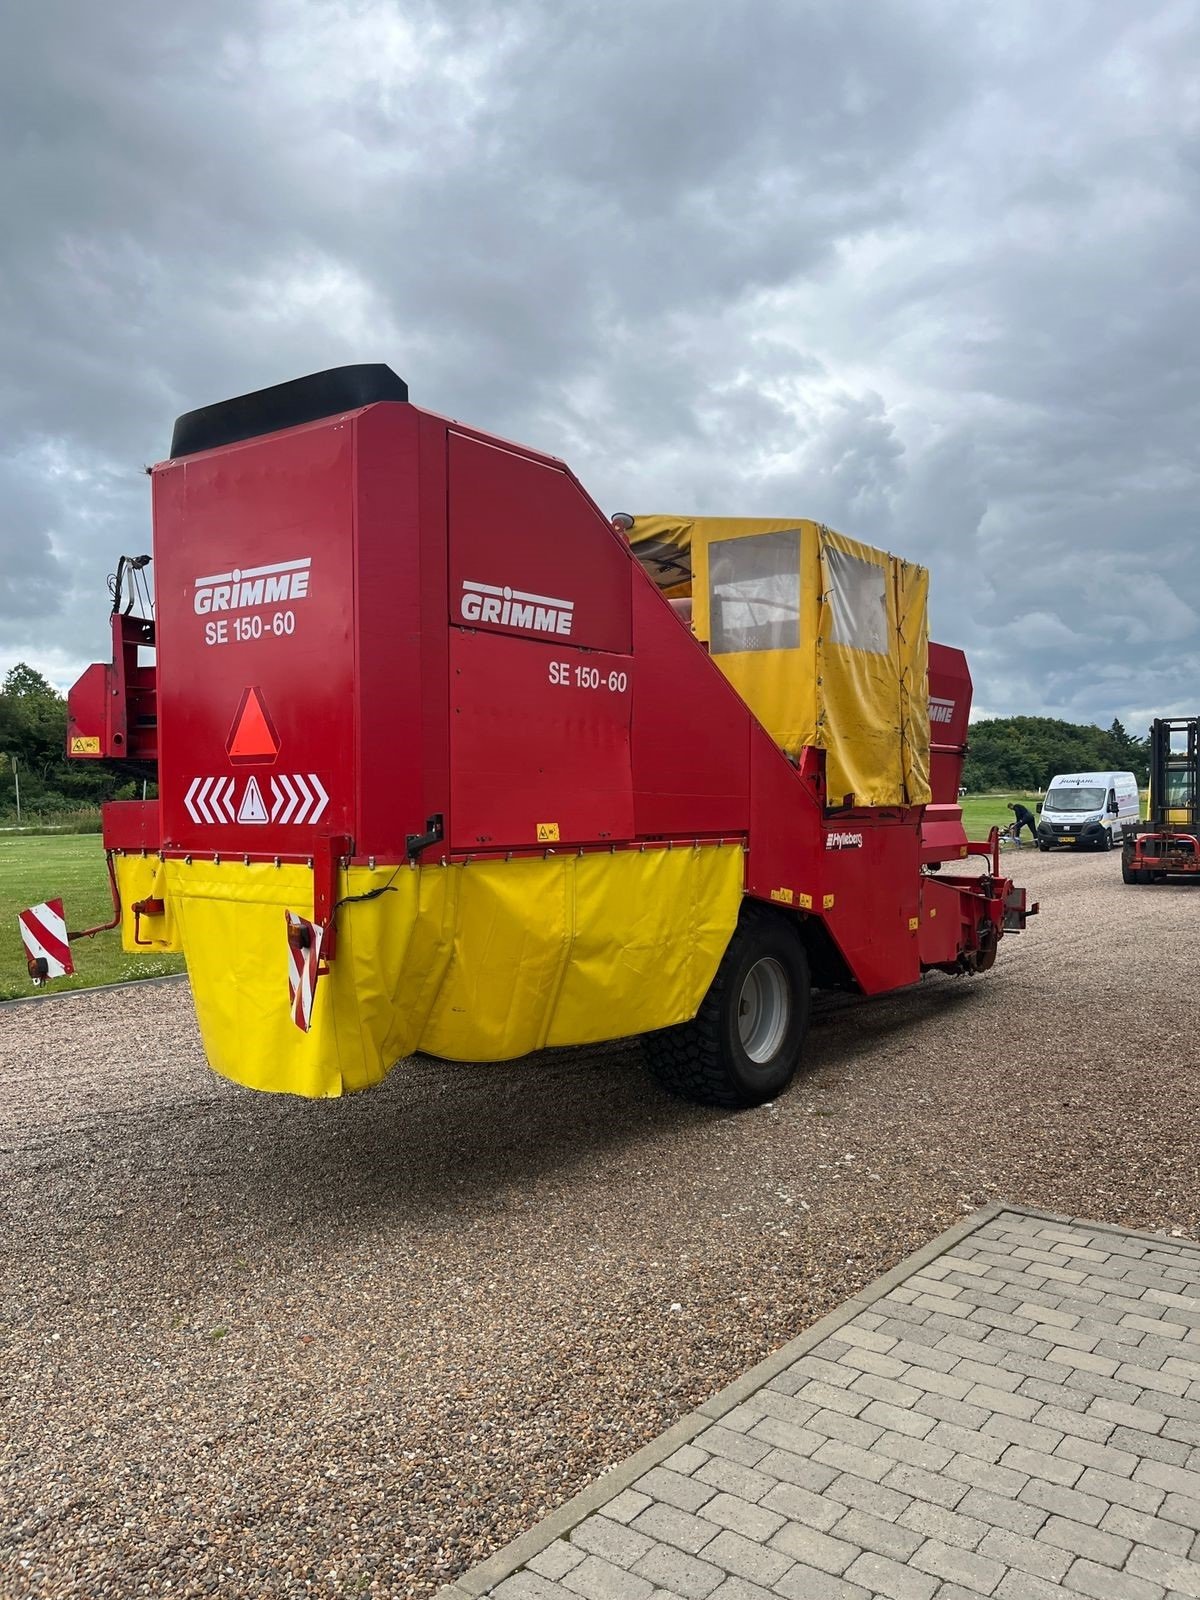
254,1346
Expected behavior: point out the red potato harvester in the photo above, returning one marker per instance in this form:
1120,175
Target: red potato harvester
447,761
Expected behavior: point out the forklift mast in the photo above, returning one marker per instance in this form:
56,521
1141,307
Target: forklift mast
1167,844
1174,760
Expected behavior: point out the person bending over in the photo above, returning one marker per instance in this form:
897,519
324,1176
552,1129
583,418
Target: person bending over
1025,819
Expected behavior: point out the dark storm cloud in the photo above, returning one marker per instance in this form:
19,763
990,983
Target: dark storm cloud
31,572
923,271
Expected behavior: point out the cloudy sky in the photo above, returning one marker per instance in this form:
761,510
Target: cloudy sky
927,270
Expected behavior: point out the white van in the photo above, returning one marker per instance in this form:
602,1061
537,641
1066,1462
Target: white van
1088,808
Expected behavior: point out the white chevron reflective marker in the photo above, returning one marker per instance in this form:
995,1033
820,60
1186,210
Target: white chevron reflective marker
296,798
210,800
284,799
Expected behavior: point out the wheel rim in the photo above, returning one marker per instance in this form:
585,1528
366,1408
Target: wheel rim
764,1009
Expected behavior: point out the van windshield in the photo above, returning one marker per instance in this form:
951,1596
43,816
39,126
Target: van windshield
1074,800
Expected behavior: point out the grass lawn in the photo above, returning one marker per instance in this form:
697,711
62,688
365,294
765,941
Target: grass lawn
984,811
981,811
69,867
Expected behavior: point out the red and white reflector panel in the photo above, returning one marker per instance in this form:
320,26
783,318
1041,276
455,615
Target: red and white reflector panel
304,959
44,934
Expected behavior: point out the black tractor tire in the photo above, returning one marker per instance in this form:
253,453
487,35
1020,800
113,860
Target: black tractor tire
1128,875
744,1044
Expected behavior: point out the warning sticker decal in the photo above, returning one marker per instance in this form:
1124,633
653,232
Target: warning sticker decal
252,808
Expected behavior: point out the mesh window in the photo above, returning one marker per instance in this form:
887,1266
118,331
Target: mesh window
754,592
1179,787
666,563
858,597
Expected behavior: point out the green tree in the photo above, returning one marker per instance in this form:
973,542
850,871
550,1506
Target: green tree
33,733
1025,752
24,682
34,725
1124,752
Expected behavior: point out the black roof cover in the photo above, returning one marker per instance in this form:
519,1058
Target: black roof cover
285,405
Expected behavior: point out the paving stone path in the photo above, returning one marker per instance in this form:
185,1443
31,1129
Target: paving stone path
1014,1412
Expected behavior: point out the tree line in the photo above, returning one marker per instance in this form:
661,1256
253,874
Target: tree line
33,758
1024,753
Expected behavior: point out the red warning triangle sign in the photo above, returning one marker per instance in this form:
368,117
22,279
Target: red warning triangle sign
252,736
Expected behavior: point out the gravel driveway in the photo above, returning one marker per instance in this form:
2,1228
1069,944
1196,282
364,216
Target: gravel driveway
254,1346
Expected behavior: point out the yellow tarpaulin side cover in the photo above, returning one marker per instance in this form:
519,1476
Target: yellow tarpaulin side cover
912,589
139,878
482,962
663,545
825,638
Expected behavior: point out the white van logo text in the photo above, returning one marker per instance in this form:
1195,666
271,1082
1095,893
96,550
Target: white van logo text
245,588
514,608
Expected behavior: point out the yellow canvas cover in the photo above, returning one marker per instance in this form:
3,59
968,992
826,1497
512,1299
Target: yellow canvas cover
140,877
912,591
825,638
663,545
476,962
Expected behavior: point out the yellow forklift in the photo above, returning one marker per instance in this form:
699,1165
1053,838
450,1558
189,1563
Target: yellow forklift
1167,844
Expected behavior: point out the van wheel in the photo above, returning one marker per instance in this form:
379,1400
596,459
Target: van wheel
1044,848
743,1045
1106,840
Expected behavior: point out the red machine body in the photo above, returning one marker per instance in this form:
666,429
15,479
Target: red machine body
385,636
112,712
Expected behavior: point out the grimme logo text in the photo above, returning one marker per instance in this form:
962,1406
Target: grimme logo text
247,587
940,710
514,608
